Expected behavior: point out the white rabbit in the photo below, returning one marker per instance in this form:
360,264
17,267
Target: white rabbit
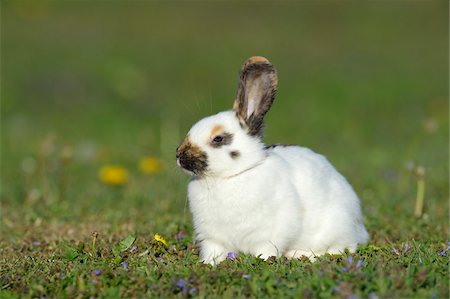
264,200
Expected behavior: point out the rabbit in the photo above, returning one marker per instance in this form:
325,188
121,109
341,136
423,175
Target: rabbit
276,200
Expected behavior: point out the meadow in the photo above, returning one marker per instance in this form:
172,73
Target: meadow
96,96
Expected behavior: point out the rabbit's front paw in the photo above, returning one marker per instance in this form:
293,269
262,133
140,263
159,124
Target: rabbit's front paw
212,252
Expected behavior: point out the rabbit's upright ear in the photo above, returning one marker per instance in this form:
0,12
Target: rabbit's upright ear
256,92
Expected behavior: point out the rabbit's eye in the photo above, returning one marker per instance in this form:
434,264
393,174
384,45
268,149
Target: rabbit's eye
218,139
221,140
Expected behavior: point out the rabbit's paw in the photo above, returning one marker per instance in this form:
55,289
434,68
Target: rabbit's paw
212,252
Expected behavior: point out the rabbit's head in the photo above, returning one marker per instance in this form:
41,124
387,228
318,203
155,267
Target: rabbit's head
230,142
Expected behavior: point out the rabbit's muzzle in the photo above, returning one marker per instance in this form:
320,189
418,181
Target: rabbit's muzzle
191,158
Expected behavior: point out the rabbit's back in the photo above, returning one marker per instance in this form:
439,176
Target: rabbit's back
331,210
312,174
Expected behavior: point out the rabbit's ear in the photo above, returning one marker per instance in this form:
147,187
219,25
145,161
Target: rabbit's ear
256,92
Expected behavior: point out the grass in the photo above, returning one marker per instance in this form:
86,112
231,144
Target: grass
88,85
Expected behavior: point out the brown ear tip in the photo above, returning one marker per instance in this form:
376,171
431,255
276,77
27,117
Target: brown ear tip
256,59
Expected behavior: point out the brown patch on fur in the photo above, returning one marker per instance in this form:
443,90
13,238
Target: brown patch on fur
216,130
236,106
255,59
191,157
184,145
235,154
190,149
241,120
195,151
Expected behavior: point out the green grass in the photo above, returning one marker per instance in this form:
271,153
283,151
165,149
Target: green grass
88,84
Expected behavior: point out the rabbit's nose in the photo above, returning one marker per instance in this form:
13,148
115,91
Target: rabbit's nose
180,152
185,163
179,160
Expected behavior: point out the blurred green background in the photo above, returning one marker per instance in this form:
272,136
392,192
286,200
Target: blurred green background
92,83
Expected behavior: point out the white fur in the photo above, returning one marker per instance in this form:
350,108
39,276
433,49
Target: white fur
286,200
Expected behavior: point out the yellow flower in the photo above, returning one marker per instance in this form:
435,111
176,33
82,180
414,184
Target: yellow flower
113,175
150,165
160,239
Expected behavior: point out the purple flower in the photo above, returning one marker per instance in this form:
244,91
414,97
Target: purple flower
124,265
36,243
133,248
351,297
359,264
181,284
444,252
246,276
407,247
97,272
180,235
350,259
393,250
231,256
